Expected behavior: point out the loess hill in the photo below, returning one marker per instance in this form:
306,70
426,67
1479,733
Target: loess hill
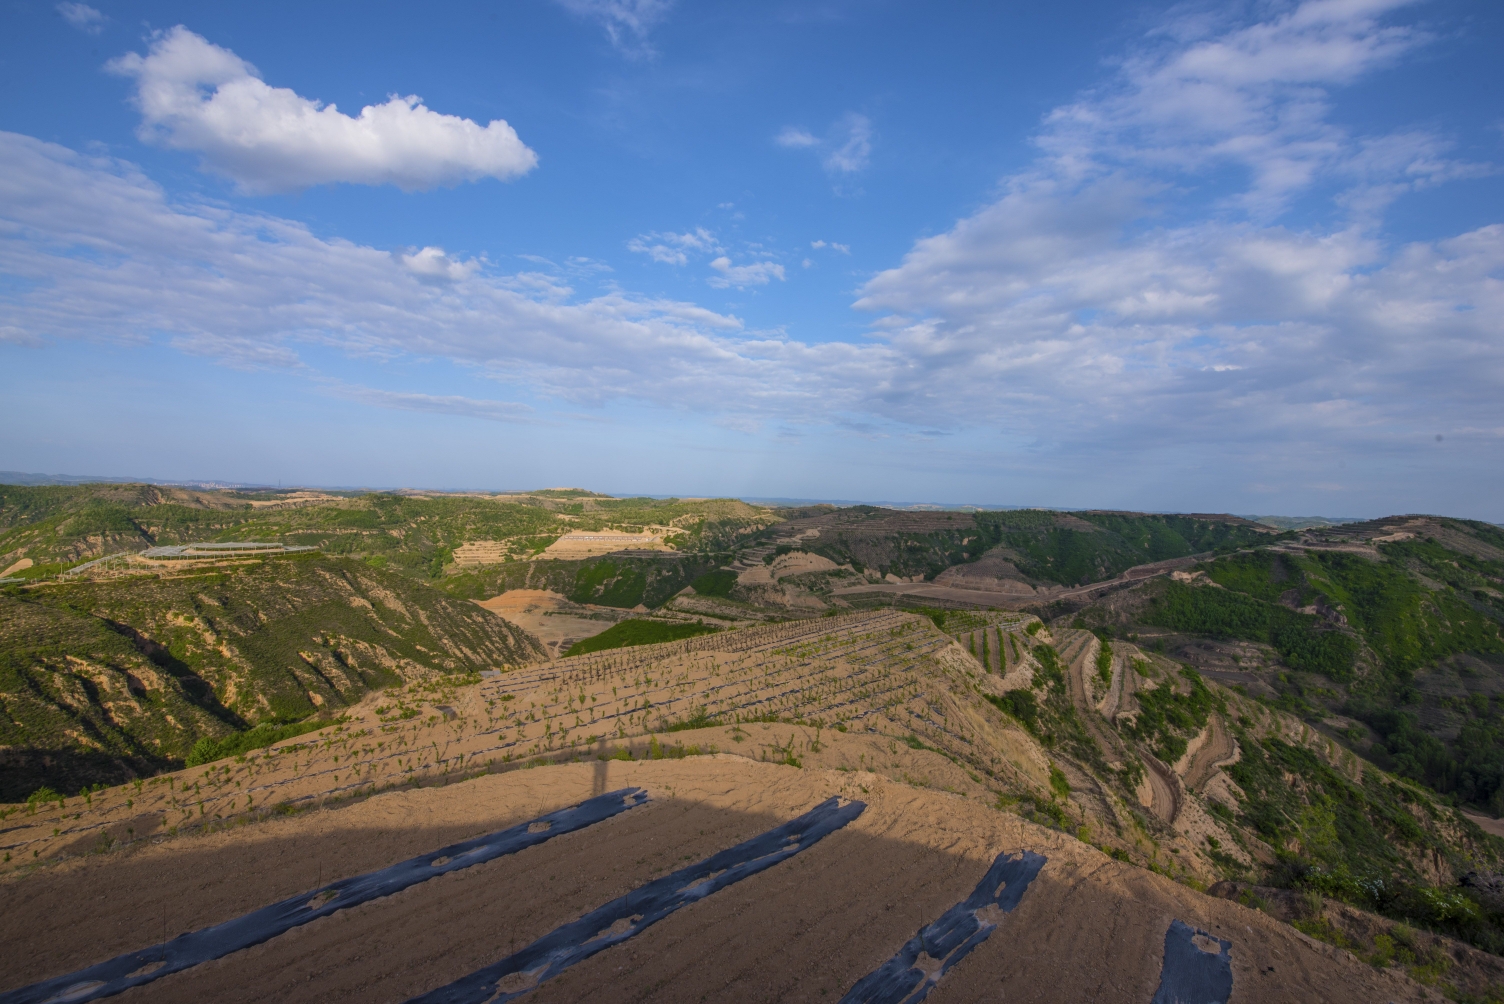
1310,720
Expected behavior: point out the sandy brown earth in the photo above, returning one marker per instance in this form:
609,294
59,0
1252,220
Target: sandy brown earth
1217,750
1487,823
551,618
18,566
864,691
1089,928
879,701
590,543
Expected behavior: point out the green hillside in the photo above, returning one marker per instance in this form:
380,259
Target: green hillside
415,534
99,679
1389,634
1045,547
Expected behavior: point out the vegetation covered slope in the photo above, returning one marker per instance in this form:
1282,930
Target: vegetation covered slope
1042,546
1389,634
99,679
1154,757
416,534
615,580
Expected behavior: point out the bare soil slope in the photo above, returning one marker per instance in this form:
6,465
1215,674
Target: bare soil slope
1088,928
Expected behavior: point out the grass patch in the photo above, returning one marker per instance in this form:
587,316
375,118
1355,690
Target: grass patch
638,632
207,749
716,583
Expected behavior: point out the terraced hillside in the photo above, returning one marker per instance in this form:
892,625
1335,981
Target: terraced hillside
1388,636
1111,747
1202,697
1129,751
908,891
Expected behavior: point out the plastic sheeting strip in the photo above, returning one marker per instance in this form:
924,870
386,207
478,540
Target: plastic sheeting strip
620,919
950,938
1191,974
186,950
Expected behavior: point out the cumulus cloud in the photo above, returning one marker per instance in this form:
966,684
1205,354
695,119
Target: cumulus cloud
626,22
842,248
846,147
433,264
83,17
194,95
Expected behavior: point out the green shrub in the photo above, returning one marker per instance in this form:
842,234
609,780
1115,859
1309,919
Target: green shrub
1058,783
1221,613
638,632
1020,704
208,749
717,583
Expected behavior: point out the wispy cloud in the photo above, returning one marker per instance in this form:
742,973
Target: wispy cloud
626,22
194,95
741,276
674,249
83,17
846,147
677,249
795,138
441,404
1113,316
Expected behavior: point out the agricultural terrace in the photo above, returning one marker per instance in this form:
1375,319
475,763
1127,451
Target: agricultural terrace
889,675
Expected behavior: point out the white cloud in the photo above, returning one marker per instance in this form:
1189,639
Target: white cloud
96,250
842,248
677,249
1110,307
1199,93
795,138
1084,310
855,136
741,276
194,95
845,149
83,17
432,263
627,22
442,404
674,249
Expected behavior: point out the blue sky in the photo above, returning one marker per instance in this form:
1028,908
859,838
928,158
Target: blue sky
1230,257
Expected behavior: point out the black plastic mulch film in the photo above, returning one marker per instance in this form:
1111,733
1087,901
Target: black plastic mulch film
1191,974
187,950
620,919
951,937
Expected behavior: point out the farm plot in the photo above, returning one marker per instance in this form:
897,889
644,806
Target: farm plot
891,892
779,693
